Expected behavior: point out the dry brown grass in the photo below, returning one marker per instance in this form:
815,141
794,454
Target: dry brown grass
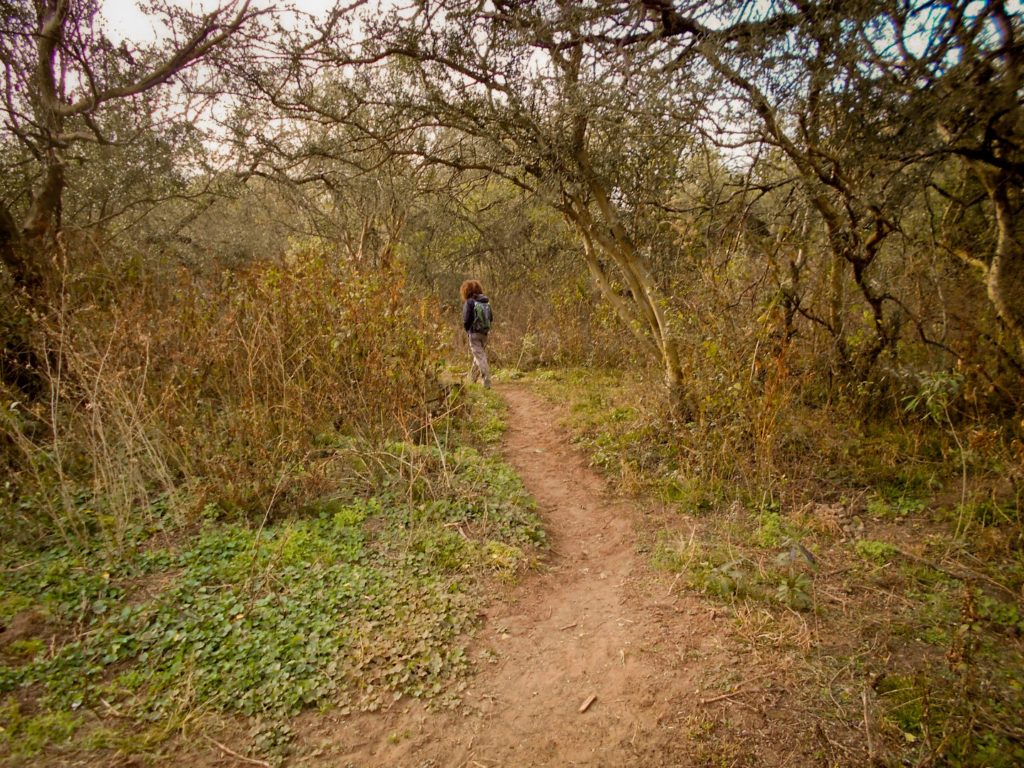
195,396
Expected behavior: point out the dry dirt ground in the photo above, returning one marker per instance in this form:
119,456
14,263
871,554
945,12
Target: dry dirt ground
592,661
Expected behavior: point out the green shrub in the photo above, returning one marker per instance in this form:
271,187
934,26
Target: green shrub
879,552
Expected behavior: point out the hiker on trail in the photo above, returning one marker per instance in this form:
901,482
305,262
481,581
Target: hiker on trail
476,319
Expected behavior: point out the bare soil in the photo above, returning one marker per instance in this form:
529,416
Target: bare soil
592,661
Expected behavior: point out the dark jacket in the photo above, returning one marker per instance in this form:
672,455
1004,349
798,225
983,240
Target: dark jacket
468,310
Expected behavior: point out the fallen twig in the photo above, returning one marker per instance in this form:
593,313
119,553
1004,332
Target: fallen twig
867,727
674,581
22,566
113,710
962,574
736,688
586,704
232,753
568,626
721,697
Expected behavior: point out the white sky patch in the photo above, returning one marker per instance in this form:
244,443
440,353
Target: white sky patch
124,20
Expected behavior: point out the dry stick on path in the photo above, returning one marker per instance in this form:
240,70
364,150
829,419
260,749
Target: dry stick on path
867,727
735,689
232,753
721,697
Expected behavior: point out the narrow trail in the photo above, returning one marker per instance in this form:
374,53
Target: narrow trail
587,626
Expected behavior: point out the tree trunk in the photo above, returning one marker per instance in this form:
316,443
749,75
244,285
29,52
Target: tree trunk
44,214
20,365
43,221
621,308
837,311
646,315
11,252
1005,279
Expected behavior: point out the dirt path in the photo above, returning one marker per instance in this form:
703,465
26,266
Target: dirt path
584,627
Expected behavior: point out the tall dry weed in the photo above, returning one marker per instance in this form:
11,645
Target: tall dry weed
194,395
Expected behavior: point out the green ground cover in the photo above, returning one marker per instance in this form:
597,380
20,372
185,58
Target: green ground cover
352,601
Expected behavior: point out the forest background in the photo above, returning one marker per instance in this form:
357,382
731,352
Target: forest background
772,252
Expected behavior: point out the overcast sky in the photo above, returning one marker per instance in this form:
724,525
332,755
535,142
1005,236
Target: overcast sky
126,21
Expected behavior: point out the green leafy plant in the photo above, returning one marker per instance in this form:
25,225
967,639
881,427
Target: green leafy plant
936,392
879,552
899,507
353,602
794,591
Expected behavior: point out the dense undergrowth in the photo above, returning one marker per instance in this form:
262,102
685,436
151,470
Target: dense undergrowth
884,554
208,391
244,499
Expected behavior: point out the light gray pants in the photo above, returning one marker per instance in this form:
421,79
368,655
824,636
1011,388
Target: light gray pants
478,346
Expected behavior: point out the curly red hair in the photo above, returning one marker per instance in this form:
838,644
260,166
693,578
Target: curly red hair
470,288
